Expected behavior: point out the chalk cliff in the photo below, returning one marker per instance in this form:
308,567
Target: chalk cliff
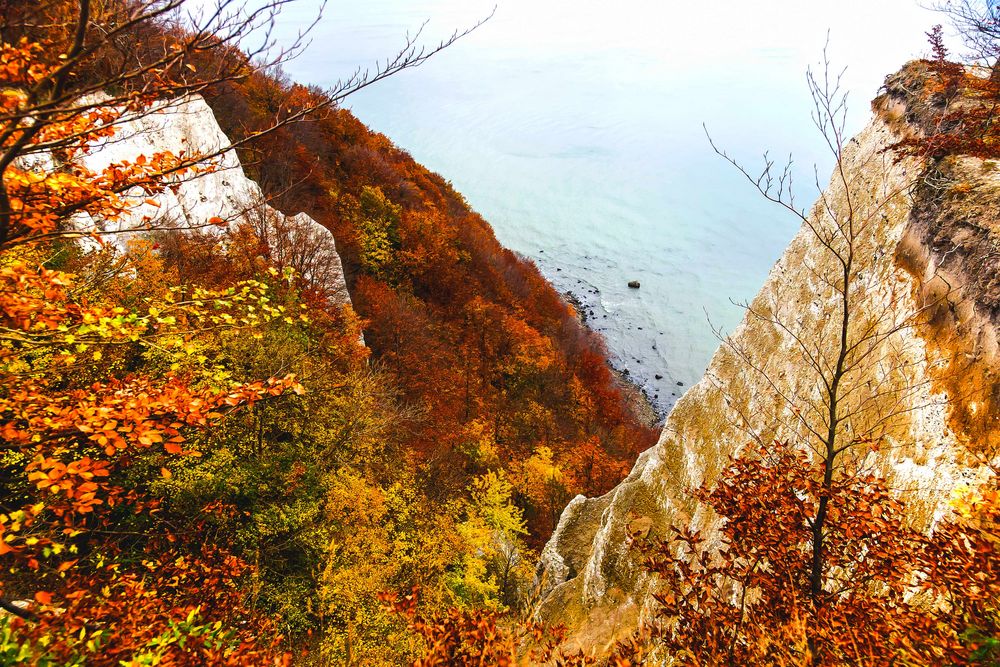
218,189
929,260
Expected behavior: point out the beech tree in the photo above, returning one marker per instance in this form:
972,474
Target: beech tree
856,357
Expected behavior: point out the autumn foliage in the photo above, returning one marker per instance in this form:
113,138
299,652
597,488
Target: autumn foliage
959,101
890,594
100,397
201,464
802,553
494,362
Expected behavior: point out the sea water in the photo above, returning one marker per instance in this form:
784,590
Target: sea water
578,130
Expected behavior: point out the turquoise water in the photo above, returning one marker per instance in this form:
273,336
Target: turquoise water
575,128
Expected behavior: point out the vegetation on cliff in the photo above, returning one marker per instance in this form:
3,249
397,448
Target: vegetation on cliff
202,464
814,554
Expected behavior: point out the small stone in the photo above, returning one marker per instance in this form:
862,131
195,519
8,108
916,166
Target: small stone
658,376
680,384
634,284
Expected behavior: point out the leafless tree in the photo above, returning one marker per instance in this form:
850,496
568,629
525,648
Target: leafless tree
978,24
300,243
857,368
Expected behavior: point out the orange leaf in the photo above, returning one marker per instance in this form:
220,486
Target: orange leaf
67,565
166,473
43,597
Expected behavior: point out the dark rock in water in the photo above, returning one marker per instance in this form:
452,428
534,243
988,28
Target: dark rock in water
680,384
558,269
634,284
640,328
658,376
625,371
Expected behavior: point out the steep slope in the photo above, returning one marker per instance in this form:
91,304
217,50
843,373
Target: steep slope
502,373
931,254
314,481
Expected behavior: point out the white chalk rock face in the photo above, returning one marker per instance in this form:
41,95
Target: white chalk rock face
590,578
216,195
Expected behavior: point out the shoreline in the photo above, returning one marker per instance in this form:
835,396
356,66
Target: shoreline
638,401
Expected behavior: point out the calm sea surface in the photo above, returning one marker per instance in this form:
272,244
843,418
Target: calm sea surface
575,128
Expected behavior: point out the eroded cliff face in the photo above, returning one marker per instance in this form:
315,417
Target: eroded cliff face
215,195
928,266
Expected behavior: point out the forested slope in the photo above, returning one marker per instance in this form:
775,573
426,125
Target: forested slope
470,331
202,463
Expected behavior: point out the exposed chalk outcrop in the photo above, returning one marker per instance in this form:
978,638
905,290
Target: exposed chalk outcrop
592,581
218,190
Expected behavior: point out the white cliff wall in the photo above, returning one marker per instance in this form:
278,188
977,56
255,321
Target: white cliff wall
593,582
219,189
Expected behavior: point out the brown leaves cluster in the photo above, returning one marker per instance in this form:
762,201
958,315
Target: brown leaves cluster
82,443
178,611
889,593
475,637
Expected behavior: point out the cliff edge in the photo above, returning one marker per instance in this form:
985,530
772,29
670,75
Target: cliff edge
930,257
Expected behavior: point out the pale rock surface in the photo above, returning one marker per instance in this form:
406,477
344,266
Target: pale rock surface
187,127
592,581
